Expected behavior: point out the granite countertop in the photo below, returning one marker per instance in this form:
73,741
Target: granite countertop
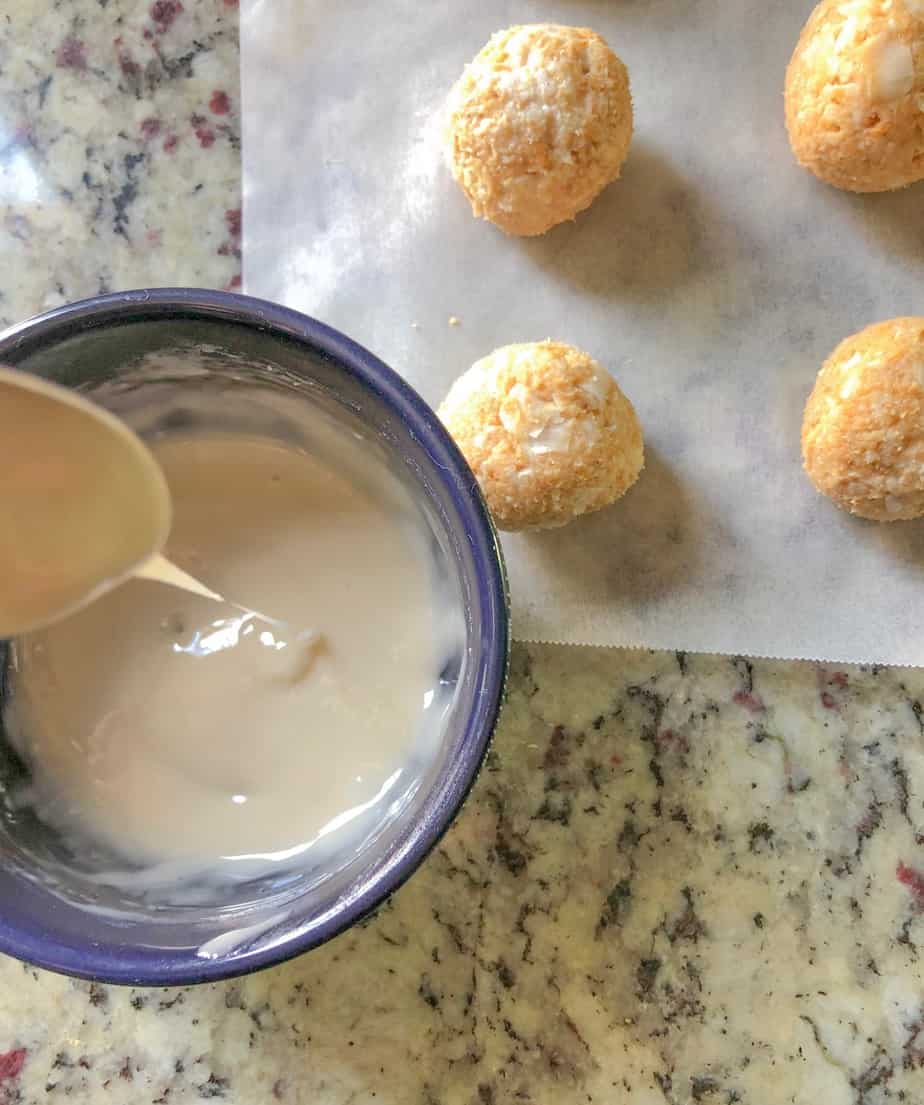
679,879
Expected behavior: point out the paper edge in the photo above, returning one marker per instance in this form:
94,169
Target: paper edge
772,658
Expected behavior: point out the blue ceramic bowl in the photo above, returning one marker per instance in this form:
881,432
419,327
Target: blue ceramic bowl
54,911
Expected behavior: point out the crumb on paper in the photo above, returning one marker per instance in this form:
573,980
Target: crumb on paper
454,321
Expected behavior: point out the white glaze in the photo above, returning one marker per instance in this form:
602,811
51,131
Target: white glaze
181,732
891,69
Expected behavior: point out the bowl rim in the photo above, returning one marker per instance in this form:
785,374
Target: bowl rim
119,963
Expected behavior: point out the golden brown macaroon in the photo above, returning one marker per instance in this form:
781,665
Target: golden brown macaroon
863,430
539,123
855,94
547,432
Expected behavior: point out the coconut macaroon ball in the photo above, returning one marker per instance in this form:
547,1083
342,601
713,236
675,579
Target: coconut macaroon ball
855,94
863,430
539,123
547,432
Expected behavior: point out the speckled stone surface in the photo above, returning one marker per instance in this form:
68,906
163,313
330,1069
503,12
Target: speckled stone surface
678,880
119,148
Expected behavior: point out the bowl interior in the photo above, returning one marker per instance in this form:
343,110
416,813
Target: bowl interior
160,367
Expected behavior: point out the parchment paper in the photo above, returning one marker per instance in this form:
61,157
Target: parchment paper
712,280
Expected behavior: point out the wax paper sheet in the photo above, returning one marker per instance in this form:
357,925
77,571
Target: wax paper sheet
712,280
